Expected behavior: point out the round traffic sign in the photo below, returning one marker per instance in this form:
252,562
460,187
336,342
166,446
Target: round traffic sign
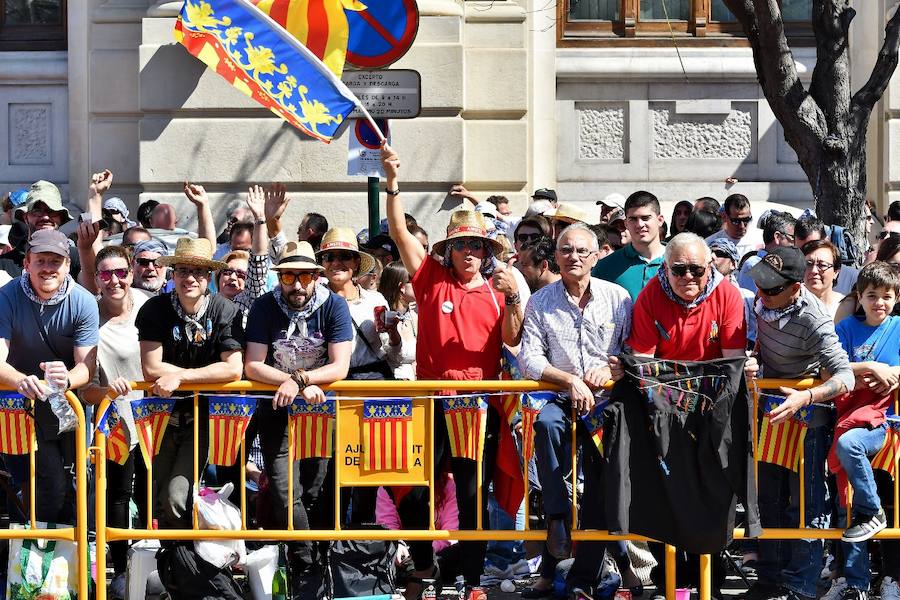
382,33
367,136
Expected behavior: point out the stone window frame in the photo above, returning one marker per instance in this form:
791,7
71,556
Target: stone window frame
628,31
33,37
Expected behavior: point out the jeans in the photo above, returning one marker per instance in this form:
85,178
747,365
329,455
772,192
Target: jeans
504,554
553,455
854,448
794,564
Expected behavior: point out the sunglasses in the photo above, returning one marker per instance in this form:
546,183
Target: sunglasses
334,256
107,274
682,270
305,278
790,236
740,220
775,290
473,245
524,238
146,262
239,273
195,272
883,235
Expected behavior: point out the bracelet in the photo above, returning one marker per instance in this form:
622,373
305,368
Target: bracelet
300,378
68,384
260,221
392,192
512,299
810,396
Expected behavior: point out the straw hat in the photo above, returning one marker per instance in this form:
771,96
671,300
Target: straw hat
297,255
467,224
190,251
343,238
567,213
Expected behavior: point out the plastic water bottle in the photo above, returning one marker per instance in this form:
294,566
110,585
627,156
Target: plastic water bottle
60,406
429,592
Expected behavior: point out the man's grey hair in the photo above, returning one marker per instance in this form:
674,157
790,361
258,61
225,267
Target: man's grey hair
579,226
683,240
236,204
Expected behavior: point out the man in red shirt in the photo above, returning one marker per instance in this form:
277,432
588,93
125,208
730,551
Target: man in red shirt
468,307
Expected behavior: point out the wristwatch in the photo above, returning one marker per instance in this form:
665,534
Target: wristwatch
392,192
260,221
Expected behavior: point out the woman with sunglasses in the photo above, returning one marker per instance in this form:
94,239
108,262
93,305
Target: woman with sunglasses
823,262
118,364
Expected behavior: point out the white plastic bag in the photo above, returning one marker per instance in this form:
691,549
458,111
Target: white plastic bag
261,567
217,513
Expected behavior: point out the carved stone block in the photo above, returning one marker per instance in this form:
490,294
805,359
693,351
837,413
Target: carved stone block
30,141
694,136
601,131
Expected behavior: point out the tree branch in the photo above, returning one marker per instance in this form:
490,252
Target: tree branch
830,86
869,94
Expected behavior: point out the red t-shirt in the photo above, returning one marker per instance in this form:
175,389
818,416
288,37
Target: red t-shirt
459,328
699,333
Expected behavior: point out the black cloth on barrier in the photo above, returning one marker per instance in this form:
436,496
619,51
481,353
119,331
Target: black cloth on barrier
679,448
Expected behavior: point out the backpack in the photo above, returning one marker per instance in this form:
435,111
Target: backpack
362,568
840,237
186,576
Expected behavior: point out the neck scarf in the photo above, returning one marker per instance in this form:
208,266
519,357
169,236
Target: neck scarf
773,315
714,279
196,332
64,290
298,318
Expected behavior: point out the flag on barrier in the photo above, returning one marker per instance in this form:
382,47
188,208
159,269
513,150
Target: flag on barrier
228,420
780,444
466,418
594,423
151,416
313,428
255,54
112,426
532,404
15,424
387,434
886,458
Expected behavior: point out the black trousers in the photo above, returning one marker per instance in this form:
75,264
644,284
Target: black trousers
122,483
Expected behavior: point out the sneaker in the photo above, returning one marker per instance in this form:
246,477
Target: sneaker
836,590
116,588
854,594
889,589
580,594
862,528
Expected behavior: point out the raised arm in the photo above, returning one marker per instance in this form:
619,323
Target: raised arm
205,225
411,251
87,244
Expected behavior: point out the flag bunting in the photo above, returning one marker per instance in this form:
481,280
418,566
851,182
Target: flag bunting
466,418
151,416
780,444
387,434
113,427
532,404
313,428
15,424
229,417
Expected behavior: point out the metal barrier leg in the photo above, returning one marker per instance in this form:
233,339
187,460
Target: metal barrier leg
670,571
81,522
194,508
101,512
705,577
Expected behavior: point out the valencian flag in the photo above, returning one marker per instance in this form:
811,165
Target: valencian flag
387,434
256,55
886,458
15,424
151,415
509,370
313,428
780,444
466,418
113,427
532,403
228,420
593,421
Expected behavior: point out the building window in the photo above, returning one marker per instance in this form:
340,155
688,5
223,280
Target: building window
32,24
654,22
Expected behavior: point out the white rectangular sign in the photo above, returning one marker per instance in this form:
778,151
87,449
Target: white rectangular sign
386,93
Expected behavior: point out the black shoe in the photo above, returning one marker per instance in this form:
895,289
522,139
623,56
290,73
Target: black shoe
863,528
559,540
762,591
533,593
854,594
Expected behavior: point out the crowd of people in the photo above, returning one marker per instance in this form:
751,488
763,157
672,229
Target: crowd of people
564,293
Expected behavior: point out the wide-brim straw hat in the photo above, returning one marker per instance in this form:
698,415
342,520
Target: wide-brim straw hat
567,213
297,256
343,238
196,252
467,224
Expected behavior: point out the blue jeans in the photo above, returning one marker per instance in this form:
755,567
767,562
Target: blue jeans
794,564
504,554
854,448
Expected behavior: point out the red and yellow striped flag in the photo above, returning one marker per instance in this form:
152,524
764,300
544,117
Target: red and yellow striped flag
532,404
151,416
228,420
886,458
780,444
313,428
593,421
387,434
112,426
15,424
466,418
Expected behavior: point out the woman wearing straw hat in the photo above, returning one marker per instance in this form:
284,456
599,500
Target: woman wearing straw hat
468,308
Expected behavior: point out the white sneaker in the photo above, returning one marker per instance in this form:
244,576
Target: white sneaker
116,588
889,589
837,588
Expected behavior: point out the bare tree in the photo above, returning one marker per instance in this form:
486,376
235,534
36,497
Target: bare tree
825,125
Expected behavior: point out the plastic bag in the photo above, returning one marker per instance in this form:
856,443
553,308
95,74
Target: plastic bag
40,568
215,512
60,406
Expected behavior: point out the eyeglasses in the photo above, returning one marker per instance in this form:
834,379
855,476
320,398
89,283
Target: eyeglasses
305,278
106,274
336,256
883,235
581,252
239,273
474,245
195,272
790,236
775,290
740,220
524,238
822,266
146,262
682,270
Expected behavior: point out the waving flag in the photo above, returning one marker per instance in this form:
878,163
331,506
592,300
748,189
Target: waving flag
532,404
112,426
313,428
886,458
15,424
466,418
151,415
780,444
228,420
387,434
256,55
594,423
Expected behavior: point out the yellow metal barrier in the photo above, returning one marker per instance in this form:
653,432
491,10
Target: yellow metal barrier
376,389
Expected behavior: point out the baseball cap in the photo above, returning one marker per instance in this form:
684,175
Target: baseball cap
616,214
49,240
614,200
384,242
781,266
546,193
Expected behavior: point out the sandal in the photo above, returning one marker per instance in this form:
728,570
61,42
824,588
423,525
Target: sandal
412,580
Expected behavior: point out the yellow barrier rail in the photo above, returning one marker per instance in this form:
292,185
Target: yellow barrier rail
375,389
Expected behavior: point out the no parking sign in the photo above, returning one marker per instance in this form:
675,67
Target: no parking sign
364,157
382,33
